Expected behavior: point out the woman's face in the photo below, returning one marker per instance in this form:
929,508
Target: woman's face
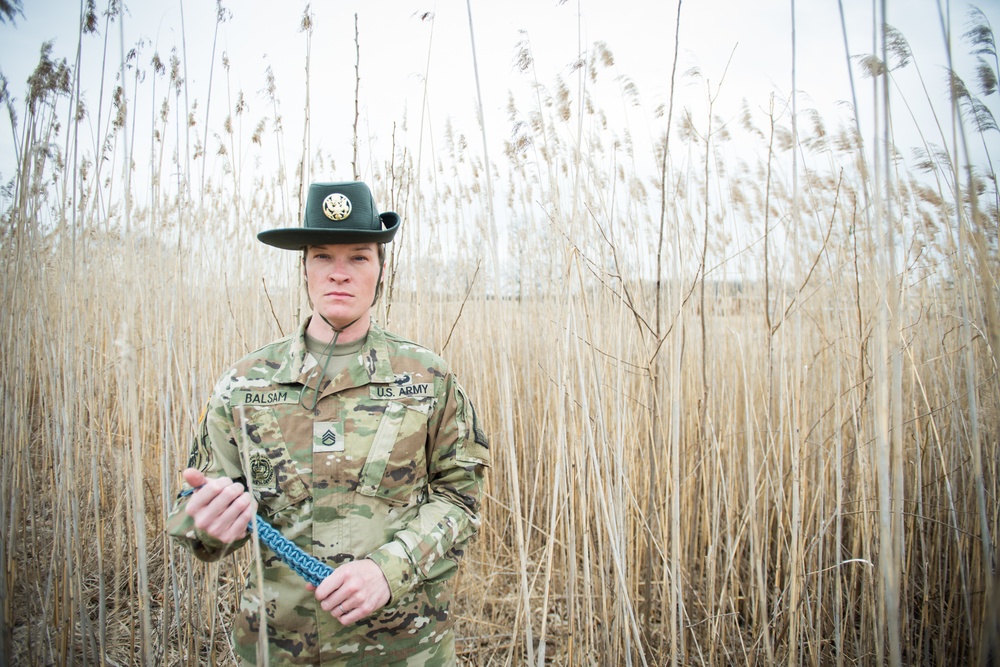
341,281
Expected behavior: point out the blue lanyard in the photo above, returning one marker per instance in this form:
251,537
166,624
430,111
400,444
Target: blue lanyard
308,567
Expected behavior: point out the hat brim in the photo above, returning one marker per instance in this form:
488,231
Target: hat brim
296,238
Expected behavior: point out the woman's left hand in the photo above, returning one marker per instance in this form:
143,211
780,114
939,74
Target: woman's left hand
353,591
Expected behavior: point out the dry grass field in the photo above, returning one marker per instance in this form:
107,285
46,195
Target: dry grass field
743,410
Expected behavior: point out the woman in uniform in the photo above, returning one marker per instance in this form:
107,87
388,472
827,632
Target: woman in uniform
359,446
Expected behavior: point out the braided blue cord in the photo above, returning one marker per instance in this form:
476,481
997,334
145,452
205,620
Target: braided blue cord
308,567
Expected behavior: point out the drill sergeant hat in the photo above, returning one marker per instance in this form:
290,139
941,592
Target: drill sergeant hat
336,213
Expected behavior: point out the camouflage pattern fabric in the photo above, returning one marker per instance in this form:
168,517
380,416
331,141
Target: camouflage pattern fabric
388,466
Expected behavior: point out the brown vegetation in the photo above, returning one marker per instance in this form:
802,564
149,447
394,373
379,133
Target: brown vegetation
740,413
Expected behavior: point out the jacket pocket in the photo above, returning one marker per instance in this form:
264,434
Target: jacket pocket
396,468
270,468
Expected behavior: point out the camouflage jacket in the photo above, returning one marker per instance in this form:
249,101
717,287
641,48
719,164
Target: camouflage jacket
388,466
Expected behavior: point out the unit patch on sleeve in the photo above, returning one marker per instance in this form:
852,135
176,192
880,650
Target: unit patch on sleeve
199,457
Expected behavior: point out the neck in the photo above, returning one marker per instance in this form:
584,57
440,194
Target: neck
322,331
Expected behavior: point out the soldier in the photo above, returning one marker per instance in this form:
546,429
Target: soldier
359,446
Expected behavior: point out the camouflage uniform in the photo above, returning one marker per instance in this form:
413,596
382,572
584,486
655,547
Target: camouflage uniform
388,466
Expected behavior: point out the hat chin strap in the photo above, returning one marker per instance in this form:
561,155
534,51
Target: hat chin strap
328,350
378,283
327,356
336,331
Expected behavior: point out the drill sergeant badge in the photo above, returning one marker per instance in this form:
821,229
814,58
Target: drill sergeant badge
261,471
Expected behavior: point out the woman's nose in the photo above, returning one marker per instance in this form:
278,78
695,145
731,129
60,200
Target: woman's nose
339,273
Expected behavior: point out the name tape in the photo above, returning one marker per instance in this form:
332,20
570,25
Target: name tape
414,390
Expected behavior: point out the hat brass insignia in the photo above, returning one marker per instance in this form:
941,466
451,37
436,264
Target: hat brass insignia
336,206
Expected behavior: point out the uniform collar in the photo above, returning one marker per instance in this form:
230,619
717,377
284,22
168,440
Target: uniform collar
297,364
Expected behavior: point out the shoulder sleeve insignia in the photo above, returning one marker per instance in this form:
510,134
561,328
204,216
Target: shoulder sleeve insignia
478,433
198,458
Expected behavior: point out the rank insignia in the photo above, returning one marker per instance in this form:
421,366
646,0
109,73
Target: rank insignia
328,437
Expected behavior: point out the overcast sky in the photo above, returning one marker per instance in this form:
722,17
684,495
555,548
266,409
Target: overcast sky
400,45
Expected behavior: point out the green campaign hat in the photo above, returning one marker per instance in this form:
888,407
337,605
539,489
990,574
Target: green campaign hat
336,213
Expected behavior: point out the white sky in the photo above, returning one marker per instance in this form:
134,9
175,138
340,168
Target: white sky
397,48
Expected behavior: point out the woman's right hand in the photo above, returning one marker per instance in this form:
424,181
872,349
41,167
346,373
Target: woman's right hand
220,507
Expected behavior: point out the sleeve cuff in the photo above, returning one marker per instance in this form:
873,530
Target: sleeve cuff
202,545
397,569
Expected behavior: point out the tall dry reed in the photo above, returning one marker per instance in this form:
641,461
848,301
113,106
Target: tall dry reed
743,410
